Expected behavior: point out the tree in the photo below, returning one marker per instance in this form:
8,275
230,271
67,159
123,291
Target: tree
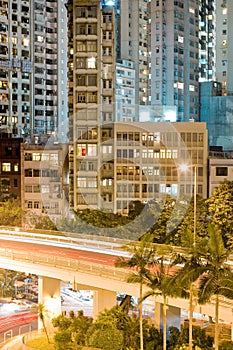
188,275
142,256
105,336
162,229
186,228
11,212
178,339
221,210
72,329
226,345
40,222
41,314
159,282
172,217
217,277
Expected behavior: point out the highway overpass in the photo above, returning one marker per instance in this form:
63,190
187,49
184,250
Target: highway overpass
89,261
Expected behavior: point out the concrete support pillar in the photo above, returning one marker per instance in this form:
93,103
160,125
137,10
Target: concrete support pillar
49,297
157,315
102,299
173,316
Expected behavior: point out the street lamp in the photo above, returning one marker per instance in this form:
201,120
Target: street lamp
185,168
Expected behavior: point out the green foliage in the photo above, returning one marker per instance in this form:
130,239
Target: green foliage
63,340
217,277
98,218
226,345
115,330
105,336
186,228
118,320
40,222
180,339
74,326
173,218
153,339
162,229
11,212
221,210
8,277
129,328
174,334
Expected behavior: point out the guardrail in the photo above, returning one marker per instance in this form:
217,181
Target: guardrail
67,263
66,237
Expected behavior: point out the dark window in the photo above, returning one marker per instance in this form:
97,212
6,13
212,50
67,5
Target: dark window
8,151
28,172
221,171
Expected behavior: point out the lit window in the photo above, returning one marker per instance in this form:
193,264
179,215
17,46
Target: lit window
180,39
40,38
92,150
16,167
81,149
45,189
91,62
174,153
25,42
36,156
6,167
82,182
169,153
162,153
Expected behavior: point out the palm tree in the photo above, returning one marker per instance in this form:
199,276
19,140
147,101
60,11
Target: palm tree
161,282
187,275
141,257
217,277
41,312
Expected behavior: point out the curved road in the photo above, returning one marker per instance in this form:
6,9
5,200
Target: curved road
59,251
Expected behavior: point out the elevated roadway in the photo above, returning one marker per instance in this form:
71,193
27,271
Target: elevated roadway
89,261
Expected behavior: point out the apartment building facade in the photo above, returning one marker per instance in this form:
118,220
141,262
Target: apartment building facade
224,45
33,67
94,43
220,169
142,162
148,160
10,167
92,93
44,186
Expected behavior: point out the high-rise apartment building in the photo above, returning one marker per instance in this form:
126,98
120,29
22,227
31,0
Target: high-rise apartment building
207,40
134,43
125,92
161,37
174,56
224,45
33,67
92,96
134,50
